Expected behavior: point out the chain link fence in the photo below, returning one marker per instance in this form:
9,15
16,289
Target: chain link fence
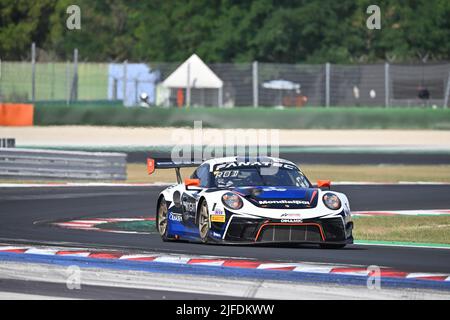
244,84
409,82
53,82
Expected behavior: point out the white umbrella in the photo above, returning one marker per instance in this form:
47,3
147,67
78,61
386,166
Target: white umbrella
281,85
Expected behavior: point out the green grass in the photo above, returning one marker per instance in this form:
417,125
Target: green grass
418,229
139,226
245,117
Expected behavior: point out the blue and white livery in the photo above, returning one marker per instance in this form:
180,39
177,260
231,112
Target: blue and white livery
251,200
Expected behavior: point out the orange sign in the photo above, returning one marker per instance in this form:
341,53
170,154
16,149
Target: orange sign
16,114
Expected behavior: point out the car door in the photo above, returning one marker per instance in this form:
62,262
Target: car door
190,197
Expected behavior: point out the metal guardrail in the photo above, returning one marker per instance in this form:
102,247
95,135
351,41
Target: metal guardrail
7,143
49,164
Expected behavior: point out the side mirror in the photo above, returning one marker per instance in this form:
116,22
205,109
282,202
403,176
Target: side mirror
324,184
192,183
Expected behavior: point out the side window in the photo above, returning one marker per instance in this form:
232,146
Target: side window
194,174
202,173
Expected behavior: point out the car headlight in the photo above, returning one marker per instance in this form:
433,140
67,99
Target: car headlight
331,201
232,201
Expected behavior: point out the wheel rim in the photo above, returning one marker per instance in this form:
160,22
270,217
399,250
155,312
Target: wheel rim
204,221
162,218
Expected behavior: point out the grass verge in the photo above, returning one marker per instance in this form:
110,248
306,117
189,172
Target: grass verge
408,229
138,226
417,229
245,117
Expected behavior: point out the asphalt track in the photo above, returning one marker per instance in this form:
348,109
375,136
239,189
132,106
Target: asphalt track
26,212
333,158
40,290
312,155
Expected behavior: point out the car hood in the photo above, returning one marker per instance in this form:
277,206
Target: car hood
280,197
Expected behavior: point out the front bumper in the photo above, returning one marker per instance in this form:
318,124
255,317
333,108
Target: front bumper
260,231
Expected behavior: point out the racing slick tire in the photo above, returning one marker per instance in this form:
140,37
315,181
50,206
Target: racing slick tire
332,246
203,222
162,220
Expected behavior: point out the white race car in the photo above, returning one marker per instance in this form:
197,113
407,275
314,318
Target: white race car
251,200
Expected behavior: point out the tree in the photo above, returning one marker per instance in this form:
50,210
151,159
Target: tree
21,23
285,31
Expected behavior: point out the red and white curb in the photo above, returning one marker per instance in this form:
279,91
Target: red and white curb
221,262
93,224
439,212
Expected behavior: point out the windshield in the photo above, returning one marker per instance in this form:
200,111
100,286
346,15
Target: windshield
253,177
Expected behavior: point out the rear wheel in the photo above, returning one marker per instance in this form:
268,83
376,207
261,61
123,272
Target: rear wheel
162,219
203,222
332,246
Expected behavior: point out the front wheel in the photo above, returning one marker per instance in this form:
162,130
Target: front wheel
162,219
203,222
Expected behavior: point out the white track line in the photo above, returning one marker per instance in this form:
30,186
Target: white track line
405,245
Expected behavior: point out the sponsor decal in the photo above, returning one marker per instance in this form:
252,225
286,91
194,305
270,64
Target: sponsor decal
189,206
218,215
232,165
274,189
291,217
226,174
287,202
218,218
175,217
291,220
216,235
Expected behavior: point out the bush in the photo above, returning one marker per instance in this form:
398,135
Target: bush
244,117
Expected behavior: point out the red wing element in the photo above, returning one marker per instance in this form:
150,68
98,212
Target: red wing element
150,165
192,182
323,183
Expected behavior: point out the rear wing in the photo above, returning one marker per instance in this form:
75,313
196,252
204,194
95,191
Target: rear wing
153,164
